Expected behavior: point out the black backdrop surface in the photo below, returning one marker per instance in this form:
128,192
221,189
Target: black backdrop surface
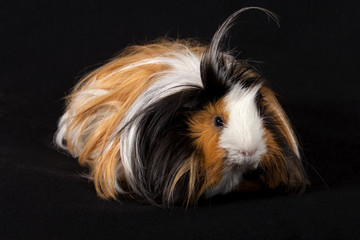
312,61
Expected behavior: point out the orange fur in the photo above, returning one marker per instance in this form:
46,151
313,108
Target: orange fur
273,161
280,115
123,88
206,139
279,172
192,168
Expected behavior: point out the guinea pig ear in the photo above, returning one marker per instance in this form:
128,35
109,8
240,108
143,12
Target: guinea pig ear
282,163
217,65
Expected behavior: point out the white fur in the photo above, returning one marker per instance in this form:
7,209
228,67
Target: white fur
243,133
184,71
77,137
232,176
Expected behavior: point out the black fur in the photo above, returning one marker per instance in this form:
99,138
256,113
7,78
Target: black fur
219,69
163,146
293,164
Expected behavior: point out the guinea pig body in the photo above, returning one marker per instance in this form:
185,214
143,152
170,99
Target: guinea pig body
172,121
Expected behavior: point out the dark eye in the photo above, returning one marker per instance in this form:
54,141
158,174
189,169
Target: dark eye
218,122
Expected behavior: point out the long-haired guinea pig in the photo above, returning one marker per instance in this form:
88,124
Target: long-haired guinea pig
172,121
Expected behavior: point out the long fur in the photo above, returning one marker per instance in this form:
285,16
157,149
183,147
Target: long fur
144,124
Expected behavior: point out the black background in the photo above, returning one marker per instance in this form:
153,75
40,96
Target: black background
312,61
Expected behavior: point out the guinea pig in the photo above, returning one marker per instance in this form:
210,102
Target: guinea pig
175,120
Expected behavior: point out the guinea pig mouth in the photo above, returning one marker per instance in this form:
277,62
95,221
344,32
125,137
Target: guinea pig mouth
243,162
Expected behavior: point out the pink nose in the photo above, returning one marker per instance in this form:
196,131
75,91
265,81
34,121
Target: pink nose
249,153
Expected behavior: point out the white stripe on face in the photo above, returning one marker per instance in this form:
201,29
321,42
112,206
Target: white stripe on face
243,135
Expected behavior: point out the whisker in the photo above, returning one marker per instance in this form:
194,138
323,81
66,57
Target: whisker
322,179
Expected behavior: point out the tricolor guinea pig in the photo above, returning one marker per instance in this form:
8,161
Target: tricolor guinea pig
175,120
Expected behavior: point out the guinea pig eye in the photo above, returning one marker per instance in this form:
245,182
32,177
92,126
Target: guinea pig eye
218,122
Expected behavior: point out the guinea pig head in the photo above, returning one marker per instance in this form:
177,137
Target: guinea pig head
242,126
229,137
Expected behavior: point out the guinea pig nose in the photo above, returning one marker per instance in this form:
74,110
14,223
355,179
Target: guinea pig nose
244,153
248,153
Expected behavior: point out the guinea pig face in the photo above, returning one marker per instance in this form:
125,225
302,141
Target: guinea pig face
229,136
235,126
242,135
